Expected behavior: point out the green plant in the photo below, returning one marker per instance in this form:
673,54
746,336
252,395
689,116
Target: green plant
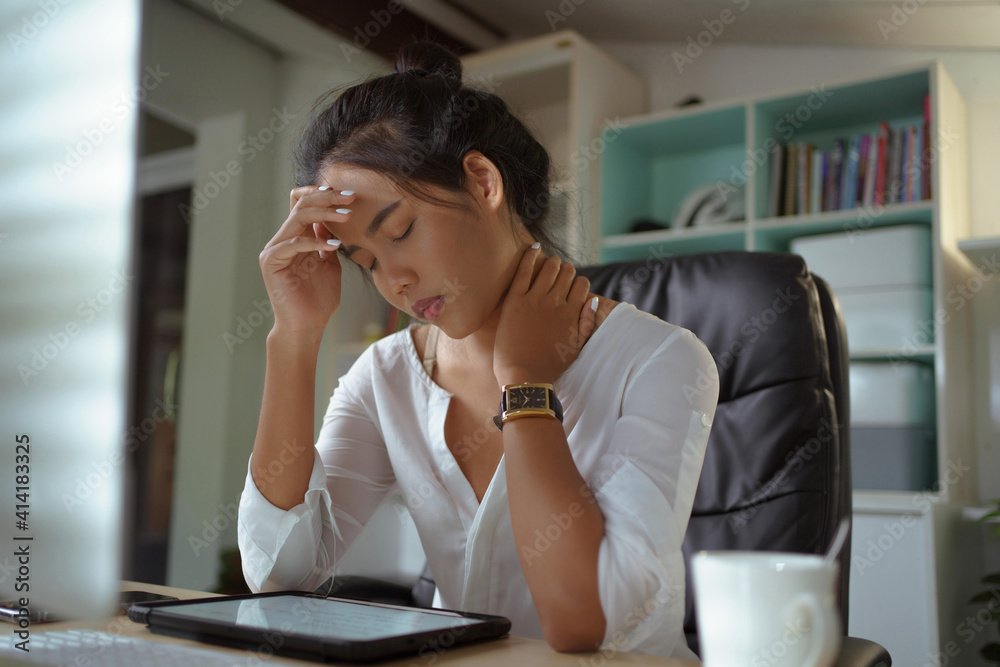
991,652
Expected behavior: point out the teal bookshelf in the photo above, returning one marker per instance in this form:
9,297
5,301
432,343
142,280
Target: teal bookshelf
661,157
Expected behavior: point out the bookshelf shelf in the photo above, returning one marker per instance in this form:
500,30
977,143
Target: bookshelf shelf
923,354
659,158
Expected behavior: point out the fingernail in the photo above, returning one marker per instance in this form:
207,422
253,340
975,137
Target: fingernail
347,193
324,187
593,304
333,242
343,210
536,245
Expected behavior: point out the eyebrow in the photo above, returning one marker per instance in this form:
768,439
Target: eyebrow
373,227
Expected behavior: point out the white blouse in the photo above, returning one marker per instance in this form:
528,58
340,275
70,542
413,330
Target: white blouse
638,404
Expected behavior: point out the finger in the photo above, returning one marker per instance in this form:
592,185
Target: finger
588,318
580,291
321,232
322,193
302,218
525,270
564,280
280,254
546,276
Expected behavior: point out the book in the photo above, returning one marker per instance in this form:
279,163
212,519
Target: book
904,175
777,179
871,168
926,144
849,178
882,163
816,181
866,140
916,166
893,181
802,178
831,198
791,153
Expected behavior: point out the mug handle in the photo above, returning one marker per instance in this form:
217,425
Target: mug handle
824,629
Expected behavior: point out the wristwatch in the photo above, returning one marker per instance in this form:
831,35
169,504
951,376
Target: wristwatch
528,399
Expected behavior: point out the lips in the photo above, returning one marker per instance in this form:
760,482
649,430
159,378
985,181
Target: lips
420,306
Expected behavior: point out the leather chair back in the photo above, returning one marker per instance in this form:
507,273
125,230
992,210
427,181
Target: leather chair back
776,475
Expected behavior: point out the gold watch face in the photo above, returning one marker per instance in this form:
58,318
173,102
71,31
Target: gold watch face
527,397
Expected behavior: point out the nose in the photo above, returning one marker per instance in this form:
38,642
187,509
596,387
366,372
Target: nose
398,276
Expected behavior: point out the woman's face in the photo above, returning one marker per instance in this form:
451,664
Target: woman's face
418,250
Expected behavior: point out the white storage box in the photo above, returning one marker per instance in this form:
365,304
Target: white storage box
870,259
891,394
897,319
882,279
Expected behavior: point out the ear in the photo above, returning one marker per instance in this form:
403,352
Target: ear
484,180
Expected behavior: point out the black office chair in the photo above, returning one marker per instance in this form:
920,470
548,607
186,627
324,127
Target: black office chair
777,472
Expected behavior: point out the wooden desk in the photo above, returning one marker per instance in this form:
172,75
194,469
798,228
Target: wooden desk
500,652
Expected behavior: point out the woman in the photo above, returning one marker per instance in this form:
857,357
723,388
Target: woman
568,519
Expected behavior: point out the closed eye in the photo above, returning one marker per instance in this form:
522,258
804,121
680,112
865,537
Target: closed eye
397,240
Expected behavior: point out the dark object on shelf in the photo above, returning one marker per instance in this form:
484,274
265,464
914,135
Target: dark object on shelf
647,225
689,101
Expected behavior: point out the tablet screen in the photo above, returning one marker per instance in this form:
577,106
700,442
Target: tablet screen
322,617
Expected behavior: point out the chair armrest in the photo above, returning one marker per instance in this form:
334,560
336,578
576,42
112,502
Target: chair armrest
857,652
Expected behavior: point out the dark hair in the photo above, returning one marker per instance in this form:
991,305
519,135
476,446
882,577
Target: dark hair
415,125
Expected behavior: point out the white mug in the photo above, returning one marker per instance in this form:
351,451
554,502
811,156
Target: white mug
766,609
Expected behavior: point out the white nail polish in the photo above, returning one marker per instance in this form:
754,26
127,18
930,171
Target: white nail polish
343,210
324,187
593,304
333,242
536,245
347,193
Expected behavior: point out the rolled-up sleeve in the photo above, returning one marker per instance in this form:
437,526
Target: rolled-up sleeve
645,487
298,549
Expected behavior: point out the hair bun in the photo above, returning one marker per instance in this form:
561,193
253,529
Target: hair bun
428,58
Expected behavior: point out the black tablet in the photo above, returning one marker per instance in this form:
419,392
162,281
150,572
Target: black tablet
313,627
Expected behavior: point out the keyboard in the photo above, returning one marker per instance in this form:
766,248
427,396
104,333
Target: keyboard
93,647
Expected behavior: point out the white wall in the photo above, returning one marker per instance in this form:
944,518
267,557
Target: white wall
724,71
228,88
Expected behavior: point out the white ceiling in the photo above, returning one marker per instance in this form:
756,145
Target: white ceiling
949,24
